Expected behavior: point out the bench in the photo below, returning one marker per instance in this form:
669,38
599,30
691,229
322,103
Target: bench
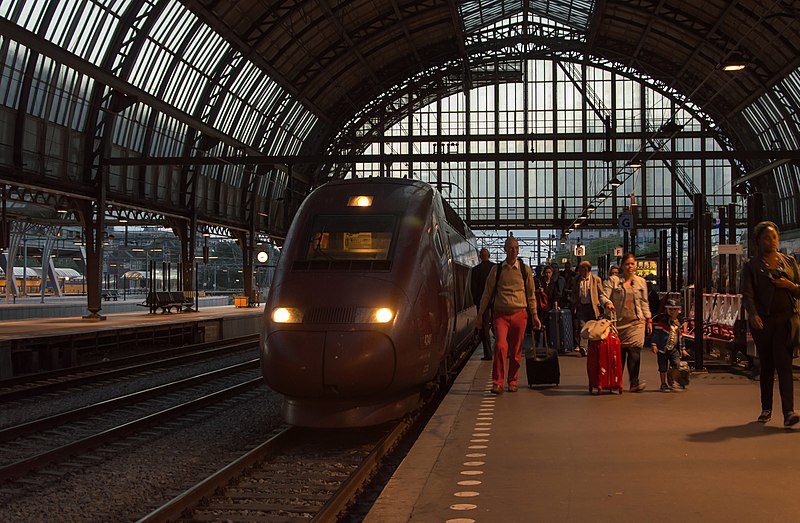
182,301
165,301
110,294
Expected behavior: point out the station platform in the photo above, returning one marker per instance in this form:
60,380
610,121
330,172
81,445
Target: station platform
42,344
561,454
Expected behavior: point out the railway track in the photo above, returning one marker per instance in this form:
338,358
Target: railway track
24,387
53,440
299,474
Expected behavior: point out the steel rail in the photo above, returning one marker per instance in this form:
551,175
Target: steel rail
347,492
24,466
175,508
62,418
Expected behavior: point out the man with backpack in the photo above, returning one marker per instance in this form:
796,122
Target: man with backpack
509,293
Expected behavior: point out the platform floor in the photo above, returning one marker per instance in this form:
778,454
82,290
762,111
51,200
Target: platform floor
563,455
39,327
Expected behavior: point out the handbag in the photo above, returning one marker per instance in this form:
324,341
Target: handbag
596,330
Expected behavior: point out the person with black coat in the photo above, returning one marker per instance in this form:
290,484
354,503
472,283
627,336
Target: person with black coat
477,284
770,286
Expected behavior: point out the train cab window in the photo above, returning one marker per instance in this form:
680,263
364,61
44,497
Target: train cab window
336,237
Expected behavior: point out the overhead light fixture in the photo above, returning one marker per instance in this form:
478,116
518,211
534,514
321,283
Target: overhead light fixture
635,163
602,196
563,239
734,62
614,182
123,220
591,208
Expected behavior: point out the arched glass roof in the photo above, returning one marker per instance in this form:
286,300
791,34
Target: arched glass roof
158,99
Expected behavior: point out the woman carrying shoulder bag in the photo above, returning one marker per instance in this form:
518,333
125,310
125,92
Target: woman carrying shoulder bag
628,295
770,286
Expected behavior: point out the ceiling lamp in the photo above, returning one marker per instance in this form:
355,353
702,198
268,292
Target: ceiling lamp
614,182
591,208
734,62
635,163
563,239
602,196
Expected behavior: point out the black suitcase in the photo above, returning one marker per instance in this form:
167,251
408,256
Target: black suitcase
541,364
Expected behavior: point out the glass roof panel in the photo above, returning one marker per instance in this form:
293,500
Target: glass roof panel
478,14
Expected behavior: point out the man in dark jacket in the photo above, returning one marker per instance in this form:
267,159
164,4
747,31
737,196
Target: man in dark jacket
477,284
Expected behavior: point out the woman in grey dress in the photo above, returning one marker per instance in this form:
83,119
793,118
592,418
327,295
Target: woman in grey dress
628,295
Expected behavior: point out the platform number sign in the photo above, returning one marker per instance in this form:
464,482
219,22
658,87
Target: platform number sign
580,251
618,251
626,221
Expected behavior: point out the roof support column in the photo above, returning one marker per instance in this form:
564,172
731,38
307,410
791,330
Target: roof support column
92,218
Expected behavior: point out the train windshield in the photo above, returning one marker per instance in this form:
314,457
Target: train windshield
337,237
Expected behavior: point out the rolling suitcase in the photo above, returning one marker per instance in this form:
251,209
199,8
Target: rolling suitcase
541,365
604,364
560,330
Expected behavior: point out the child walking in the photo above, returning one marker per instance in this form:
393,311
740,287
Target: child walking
667,344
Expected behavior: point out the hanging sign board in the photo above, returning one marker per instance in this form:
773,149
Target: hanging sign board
618,251
626,221
728,248
580,250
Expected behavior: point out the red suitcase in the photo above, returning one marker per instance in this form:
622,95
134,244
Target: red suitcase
604,364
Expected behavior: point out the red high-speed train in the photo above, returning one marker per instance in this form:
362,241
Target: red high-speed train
370,302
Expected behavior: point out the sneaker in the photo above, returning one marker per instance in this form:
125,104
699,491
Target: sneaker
582,351
665,388
638,388
765,416
497,389
677,387
512,387
790,418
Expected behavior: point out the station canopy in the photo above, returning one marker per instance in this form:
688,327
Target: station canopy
224,114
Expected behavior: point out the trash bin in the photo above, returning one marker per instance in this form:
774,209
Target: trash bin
240,301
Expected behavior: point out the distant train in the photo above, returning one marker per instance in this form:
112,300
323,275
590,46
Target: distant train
369,304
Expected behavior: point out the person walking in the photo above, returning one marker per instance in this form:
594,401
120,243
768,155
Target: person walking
667,344
628,295
588,300
509,294
549,286
770,285
477,284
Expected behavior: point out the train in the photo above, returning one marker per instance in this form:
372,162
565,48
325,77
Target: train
370,303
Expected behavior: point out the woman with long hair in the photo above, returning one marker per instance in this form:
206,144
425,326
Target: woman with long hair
628,294
770,285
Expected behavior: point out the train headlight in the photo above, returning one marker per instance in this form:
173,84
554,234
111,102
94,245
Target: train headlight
287,315
374,315
359,201
384,315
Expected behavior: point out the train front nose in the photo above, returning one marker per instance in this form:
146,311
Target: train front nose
328,363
